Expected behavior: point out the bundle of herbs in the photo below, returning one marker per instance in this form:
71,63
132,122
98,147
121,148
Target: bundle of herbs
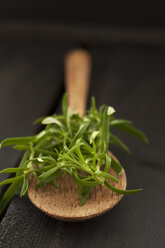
70,144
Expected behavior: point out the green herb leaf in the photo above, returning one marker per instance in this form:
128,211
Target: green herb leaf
118,142
10,170
121,192
65,108
133,131
85,195
24,186
13,188
20,147
49,179
80,133
93,103
105,130
39,120
17,141
52,120
116,166
107,175
107,163
11,180
120,122
48,173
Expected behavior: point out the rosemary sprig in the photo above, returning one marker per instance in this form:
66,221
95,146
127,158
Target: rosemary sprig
70,144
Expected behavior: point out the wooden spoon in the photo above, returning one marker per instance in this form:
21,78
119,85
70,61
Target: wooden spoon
64,203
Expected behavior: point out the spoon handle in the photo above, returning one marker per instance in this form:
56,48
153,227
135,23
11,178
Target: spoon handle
77,74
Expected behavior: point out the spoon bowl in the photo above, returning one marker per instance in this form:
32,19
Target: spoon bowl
64,203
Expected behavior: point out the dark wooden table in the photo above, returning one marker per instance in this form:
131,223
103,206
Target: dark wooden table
128,73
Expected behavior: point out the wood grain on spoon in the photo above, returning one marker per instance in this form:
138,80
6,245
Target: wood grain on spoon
77,75
64,203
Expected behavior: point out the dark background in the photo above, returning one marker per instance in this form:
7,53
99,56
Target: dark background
126,40
120,12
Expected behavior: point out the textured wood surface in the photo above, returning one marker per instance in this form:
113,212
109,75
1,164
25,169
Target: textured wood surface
131,80
64,203
77,79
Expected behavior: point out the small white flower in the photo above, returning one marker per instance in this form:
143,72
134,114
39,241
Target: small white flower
40,160
110,111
